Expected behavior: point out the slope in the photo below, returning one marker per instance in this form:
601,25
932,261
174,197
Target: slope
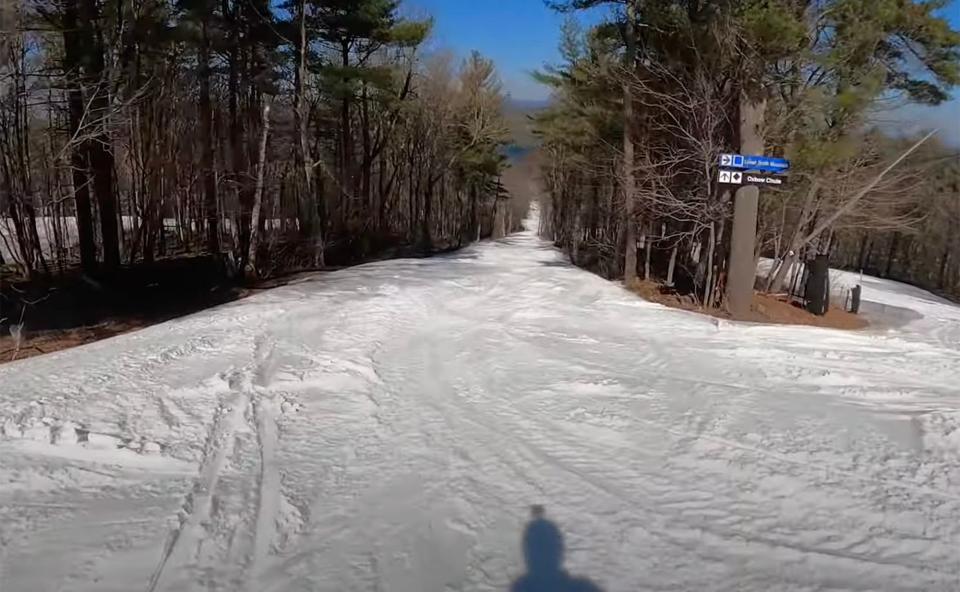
388,427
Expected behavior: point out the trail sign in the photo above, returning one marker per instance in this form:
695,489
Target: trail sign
764,180
731,177
765,164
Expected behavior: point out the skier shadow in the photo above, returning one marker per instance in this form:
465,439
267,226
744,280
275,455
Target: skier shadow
543,553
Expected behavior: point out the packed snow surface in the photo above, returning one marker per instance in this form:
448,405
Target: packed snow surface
389,427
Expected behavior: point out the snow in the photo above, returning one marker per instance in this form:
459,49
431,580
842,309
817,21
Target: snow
390,426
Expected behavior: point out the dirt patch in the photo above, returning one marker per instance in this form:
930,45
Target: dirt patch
55,340
766,308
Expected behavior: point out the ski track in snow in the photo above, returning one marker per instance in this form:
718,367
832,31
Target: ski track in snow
388,427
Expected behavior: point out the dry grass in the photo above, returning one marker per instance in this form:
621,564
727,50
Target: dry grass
766,308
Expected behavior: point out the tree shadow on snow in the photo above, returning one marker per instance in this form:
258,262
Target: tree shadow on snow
543,554
565,264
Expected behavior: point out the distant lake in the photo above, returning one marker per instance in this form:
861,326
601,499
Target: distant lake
515,152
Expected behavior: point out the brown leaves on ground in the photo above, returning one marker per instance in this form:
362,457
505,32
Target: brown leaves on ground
55,340
766,308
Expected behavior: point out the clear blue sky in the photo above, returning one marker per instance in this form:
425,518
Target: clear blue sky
522,35
519,35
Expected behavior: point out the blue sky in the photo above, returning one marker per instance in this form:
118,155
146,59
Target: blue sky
519,35
522,35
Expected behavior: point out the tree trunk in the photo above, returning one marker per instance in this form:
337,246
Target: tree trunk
647,252
907,251
708,284
73,49
778,273
346,135
891,254
426,239
864,246
443,200
473,224
99,154
628,180
869,257
944,265
238,156
210,200
384,186
411,197
742,273
250,270
672,266
309,200
366,164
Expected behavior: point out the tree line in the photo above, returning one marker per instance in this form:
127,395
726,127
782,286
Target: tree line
278,136
647,101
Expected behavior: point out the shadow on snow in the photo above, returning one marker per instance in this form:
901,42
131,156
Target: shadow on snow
543,553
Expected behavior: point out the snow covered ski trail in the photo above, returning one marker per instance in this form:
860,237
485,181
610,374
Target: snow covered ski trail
388,427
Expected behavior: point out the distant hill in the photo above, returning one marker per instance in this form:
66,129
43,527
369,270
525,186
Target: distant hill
518,113
528,104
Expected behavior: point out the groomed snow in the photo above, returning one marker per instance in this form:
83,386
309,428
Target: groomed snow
388,427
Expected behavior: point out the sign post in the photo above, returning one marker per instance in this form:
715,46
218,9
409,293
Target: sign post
742,272
747,172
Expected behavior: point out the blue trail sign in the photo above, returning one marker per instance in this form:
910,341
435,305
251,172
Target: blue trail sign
765,164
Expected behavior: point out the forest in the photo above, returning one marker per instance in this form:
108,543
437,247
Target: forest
645,103
273,137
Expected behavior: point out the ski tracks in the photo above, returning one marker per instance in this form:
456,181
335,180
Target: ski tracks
209,529
181,548
268,504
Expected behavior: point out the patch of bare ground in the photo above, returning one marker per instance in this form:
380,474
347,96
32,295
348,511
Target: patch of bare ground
766,308
55,340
